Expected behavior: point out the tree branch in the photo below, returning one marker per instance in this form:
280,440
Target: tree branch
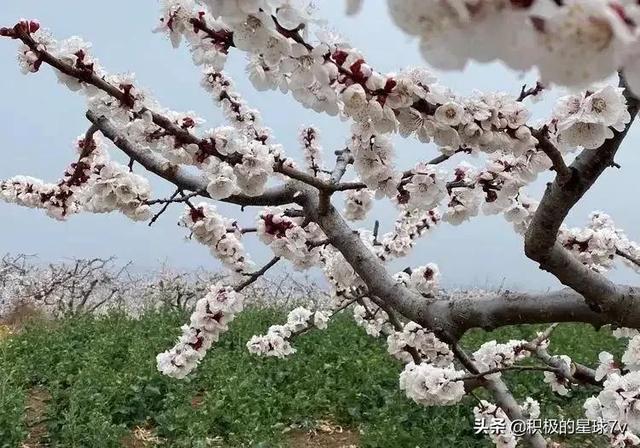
510,369
601,294
251,278
564,173
628,257
510,406
180,176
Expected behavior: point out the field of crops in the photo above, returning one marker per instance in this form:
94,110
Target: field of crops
92,382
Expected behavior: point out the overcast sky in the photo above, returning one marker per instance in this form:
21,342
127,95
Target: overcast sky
39,120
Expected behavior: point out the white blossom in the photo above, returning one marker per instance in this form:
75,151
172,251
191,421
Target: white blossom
429,385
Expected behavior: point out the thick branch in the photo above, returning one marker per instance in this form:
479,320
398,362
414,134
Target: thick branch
366,264
564,173
179,175
510,406
512,308
343,159
560,196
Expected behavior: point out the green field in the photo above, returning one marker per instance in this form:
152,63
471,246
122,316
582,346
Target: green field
91,381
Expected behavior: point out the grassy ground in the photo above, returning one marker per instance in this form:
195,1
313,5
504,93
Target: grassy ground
92,382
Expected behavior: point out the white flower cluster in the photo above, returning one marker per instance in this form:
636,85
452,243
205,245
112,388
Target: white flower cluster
411,225
607,365
288,239
624,333
574,42
312,151
424,279
208,38
93,184
276,342
340,274
426,187
521,212
585,120
242,117
251,164
211,317
498,188
619,400
235,159
464,198
492,355
487,412
504,175
430,349
73,51
30,192
429,385
372,318
373,162
600,244
530,408
116,188
358,203
560,383
409,102
631,357
331,76
219,234
248,154
276,59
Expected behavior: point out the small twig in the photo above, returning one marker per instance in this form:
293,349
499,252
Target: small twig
532,91
376,229
336,311
578,372
164,208
511,368
628,257
302,177
251,278
184,198
546,334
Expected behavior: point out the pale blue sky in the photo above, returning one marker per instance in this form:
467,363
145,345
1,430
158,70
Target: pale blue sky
39,120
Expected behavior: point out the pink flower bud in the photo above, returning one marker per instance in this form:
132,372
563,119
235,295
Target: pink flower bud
34,26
